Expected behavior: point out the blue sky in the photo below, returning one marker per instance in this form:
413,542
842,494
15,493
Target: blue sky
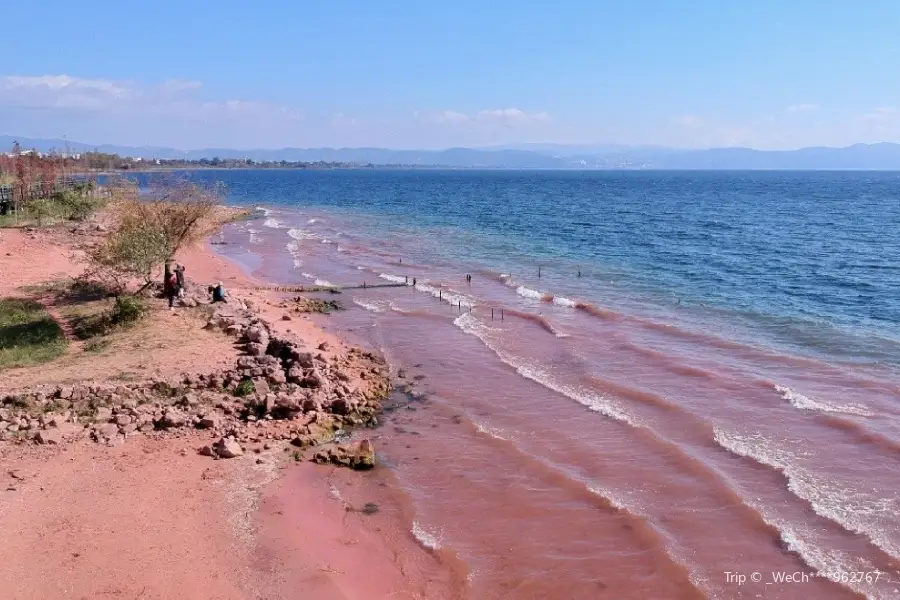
191,74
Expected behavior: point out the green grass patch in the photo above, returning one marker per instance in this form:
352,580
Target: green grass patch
244,388
28,334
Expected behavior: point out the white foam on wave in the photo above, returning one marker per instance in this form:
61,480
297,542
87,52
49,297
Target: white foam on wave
428,539
265,211
360,268
324,283
491,432
369,305
308,275
301,234
311,221
540,374
561,301
802,402
273,223
340,249
529,293
326,241
448,296
293,249
393,306
255,238
394,278
847,505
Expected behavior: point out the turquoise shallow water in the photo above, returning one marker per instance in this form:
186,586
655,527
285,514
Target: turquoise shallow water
810,260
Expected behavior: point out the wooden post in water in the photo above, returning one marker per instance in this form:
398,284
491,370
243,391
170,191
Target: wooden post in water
492,314
440,294
579,272
501,314
539,271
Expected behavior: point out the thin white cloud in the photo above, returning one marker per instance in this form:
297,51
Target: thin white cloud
880,114
512,115
688,121
441,116
795,108
507,116
171,98
179,85
342,120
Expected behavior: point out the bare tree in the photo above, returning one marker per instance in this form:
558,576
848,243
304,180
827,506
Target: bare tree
149,229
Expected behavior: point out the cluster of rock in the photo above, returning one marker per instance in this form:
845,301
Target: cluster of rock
280,390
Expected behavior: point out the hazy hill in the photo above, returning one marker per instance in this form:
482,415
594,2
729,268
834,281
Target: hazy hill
881,156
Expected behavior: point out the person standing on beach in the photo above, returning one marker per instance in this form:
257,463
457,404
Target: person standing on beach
179,276
171,289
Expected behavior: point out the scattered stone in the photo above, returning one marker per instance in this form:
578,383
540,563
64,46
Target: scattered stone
361,456
208,421
228,448
171,418
49,436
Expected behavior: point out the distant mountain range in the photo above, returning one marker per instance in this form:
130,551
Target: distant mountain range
881,156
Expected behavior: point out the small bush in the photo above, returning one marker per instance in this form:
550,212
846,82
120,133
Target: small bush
244,388
43,210
128,310
74,204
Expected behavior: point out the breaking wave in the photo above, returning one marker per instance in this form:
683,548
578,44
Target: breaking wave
803,402
428,539
369,305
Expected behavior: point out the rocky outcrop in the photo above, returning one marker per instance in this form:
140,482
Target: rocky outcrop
279,390
357,456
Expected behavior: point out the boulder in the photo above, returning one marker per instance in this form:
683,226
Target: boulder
357,456
257,335
228,448
171,418
49,436
261,386
103,414
107,431
365,455
277,377
208,421
341,406
189,400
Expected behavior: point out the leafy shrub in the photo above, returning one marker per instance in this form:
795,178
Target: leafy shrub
128,310
244,388
74,204
43,210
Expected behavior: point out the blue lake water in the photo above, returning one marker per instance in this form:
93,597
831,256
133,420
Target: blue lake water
807,259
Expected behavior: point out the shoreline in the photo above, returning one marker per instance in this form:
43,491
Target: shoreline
228,516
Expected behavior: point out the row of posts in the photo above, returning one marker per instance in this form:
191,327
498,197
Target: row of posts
459,303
